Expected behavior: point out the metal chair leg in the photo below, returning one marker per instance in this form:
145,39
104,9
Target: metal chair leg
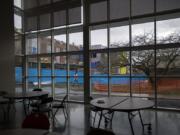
100,119
94,118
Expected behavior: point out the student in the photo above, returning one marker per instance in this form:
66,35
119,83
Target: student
75,78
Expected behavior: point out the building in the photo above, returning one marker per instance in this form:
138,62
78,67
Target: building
130,45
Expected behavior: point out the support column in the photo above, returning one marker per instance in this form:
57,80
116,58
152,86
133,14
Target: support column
7,56
86,51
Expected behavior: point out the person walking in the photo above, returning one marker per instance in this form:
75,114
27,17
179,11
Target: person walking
75,82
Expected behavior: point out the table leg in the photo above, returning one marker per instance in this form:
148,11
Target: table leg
141,120
143,124
24,106
94,118
130,122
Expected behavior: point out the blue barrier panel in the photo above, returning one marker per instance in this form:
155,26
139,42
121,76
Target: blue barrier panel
102,79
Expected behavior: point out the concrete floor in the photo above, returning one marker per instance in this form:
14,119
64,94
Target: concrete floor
79,122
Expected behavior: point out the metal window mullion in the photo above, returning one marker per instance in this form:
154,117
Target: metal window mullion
24,62
52,62
39,72
155,43
67,48
38,50
52,67
86,52
130,44
108,42
53,75
89,53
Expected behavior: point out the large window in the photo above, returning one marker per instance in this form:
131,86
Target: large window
54,50
18,45
133,48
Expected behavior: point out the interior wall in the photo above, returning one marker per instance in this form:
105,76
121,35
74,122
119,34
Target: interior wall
7,72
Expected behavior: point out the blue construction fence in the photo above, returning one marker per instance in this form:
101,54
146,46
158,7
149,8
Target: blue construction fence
102,79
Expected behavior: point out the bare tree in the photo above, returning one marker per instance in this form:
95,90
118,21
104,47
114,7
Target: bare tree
166,59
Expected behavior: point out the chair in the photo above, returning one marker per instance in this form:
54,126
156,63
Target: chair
62,105
97,131
36,101
45,106
6,104
36,121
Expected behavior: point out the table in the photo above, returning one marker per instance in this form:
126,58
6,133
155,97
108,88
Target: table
25,96
124,104
3,103
22,131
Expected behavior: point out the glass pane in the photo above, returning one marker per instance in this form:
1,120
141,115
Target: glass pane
60,67
60,87
141,7
143,63
75,41
18,70
30,3
18,45
98,12
59,18
76,88
44,2
119,35
31,44
168,62
119,9
18,3
45,21
18,88
19,75
168,31
141,86
168,88
57,0
44,42
75,15
99,64
120,86
119,63
59,41
45,63
31,23
163,5
32,82
76,65
45,84
18,23
143,34
99,86
98,38
32,66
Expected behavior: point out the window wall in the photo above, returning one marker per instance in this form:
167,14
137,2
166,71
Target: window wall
133,48
135,52
54,49
18,42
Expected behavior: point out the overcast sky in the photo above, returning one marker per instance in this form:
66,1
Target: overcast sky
121,34
117,34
